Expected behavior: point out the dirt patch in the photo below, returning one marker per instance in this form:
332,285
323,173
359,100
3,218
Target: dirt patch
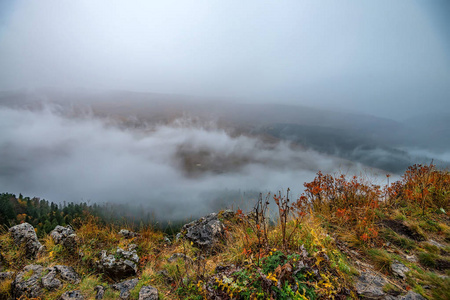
442,264
401,228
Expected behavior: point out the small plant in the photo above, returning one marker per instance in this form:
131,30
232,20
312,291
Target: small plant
424,187
428,259
381,258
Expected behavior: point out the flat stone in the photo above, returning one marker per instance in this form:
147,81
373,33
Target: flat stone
370,285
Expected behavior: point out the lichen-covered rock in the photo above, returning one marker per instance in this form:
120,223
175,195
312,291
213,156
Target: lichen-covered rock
27,282
370,285
72,295
52,280
119,266
131,254
24,234
399,269
125,287
148,293
65,236
204,232
100,292
128,234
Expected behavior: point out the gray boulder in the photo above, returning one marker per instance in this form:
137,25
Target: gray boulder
24,234
148,293
370,285
72,295
125,287
65,236
52,280
204,232
27,282
119,266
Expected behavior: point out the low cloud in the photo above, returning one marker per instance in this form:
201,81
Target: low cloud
174,171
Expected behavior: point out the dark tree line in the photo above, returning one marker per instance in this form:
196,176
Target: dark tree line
45,215
40,213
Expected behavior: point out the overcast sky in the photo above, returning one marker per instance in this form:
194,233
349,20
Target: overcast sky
384,57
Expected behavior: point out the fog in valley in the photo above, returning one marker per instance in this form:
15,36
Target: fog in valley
180,109
184,167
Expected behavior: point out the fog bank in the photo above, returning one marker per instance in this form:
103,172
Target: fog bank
176,171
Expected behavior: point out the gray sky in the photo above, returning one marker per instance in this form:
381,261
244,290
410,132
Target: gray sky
388,58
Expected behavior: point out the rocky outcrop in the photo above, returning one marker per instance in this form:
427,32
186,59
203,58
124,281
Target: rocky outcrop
72,295
204,232
65,236
24,234
119,266
125,287
52,280
148,293
27,282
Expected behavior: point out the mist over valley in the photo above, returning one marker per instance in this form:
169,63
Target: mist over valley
177,157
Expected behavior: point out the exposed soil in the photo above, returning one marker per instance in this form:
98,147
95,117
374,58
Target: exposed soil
401,228
442,265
